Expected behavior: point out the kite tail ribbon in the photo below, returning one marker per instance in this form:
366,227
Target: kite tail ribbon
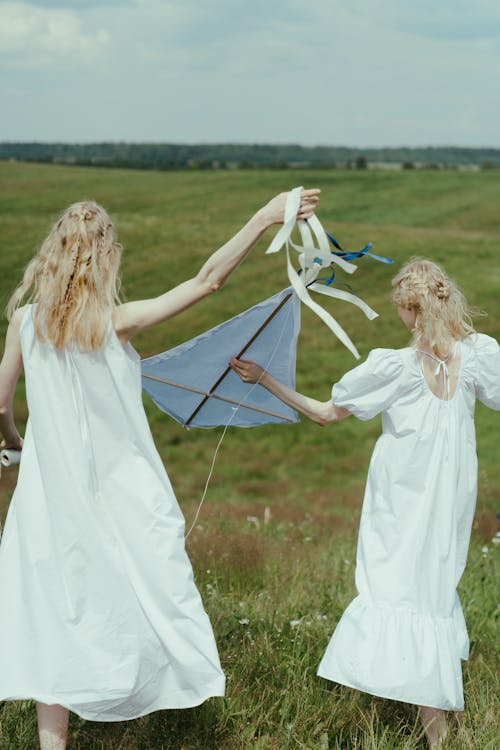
312,260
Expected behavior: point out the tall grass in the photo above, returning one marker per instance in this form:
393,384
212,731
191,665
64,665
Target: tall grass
276,581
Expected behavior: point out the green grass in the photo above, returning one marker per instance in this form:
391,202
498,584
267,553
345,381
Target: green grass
299,566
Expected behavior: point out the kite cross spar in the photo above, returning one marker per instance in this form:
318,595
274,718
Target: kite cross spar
194,383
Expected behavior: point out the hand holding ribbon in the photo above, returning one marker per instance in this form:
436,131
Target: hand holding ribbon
315,258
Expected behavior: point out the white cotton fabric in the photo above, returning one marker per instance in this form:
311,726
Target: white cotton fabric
404,634
99,610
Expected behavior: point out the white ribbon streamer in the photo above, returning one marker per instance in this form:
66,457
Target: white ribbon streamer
312,259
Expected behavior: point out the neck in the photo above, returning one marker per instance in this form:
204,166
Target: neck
448,349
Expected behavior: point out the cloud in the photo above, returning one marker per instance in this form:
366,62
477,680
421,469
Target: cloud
31,35
449,19
360,72
80,4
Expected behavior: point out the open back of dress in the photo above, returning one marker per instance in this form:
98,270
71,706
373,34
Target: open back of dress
404,635
441,375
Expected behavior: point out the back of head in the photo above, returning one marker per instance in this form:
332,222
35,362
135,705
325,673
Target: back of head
442,312
73,279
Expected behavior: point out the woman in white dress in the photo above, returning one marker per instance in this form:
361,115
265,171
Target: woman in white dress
100,614
404,635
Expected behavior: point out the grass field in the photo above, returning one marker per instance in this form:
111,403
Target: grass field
274,549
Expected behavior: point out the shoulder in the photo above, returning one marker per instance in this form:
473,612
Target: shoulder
387,361
18,317
380,366
481,344
481,361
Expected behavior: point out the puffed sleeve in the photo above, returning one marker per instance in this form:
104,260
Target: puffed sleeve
371,387
487,371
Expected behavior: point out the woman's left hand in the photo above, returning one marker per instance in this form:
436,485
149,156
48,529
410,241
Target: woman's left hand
274,211
248,371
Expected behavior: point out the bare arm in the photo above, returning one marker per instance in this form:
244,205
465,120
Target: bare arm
10,369
133,317
321,412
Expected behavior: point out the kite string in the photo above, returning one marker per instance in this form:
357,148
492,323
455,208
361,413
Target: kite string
235,409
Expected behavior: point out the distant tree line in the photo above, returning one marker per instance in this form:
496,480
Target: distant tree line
166,156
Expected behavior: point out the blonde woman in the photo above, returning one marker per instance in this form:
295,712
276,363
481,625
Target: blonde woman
404,635
100,614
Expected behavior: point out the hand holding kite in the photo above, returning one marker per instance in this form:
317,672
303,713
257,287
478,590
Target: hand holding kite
247,371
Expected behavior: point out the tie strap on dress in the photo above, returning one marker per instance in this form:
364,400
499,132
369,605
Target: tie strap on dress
442,368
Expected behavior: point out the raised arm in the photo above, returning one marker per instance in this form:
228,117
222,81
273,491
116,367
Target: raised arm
10,369
321,412
133,317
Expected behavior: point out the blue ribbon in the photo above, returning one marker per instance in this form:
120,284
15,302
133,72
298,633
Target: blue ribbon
329,280
359,254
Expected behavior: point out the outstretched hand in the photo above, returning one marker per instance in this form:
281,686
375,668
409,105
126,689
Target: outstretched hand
274,211
248,371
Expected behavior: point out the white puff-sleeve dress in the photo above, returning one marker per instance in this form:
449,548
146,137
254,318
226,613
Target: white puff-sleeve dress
404,634
99,611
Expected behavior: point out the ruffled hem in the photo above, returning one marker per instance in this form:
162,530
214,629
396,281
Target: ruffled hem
127,707
395,653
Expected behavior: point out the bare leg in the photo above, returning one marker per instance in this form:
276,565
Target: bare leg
52,726
434,723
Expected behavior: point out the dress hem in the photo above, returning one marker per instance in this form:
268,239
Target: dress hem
386,695
162,704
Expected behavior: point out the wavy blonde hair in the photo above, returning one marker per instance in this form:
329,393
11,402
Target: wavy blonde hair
74,279
442,312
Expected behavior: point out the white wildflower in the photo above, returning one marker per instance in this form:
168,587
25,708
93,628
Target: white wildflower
254,520
295,623
244,621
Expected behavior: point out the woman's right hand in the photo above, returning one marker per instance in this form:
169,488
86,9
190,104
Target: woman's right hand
248,371
274,211
14,446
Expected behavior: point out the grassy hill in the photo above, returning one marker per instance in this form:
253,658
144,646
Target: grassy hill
287,570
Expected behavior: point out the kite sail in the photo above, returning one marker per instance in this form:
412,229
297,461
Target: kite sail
195,385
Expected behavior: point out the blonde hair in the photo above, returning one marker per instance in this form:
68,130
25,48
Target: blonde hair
74,279
442,312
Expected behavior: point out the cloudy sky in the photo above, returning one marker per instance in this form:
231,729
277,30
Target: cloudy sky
351,72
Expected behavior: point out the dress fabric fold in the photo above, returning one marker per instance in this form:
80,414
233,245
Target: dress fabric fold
404,635
100,612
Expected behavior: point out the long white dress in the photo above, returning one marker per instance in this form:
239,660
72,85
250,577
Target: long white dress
98,608
404,634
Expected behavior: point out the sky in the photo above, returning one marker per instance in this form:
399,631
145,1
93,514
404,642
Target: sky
314,72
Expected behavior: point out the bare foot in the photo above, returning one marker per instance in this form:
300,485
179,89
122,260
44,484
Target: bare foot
434,724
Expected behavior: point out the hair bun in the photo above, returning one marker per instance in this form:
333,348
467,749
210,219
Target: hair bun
442,290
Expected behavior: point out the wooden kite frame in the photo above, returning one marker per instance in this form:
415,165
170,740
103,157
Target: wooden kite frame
210,393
